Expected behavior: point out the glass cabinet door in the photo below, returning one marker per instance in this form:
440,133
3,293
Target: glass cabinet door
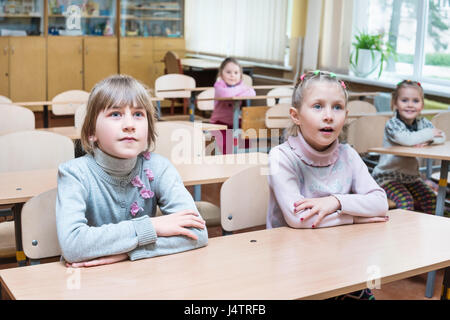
151,18
21,17
81,17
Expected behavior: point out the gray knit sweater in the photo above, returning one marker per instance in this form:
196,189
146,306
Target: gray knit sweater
98,214
397,133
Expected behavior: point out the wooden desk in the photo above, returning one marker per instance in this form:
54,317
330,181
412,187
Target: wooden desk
440,152
281,263
204,64
18,187
389,114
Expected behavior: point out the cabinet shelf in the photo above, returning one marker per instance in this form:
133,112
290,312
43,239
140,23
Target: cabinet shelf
83,17
20,16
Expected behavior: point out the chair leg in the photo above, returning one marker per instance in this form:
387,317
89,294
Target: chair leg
185,105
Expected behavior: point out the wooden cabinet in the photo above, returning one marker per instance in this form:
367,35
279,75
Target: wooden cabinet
136,59
78,63
100,59
23,68
65,64
4,66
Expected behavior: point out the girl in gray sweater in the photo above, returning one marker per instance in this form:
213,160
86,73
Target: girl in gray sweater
107,199
399,176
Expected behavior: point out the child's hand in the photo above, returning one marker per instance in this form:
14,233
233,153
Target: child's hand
320,206
99,261
437,132
177,223
370,219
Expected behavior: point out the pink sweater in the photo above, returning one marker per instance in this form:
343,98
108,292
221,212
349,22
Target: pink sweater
223,109
298,171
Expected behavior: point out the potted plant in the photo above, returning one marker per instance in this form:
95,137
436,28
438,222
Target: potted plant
370,52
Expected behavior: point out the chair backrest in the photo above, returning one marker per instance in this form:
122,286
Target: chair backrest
248,81
15,118
172,63
39,238
359,106
178,142
244,199
174,81
5,99
442,121
33,150
281,91
206,105
80,114
366,132
69,96
278,117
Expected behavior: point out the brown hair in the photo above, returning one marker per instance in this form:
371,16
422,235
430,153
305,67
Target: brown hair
116,90
303,82
405,84
227,61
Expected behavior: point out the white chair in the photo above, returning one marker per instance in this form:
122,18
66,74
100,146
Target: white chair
248,81
78,96
34,150
174,81
244,199
39,238
4,99
442,121
15,118
177,141
29,150
278,117
80,114
280,91
206,105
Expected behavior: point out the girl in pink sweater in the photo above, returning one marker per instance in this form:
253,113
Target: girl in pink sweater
314,181
229,84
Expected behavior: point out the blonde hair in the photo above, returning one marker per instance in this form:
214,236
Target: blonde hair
116,90
405,84
227,61
303,82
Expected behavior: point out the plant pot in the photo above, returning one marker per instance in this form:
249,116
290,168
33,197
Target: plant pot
368,62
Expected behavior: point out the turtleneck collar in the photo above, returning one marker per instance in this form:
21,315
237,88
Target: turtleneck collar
114,166
311,156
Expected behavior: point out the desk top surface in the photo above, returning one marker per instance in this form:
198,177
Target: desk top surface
425,112
281,263
18,187
439,151
206,64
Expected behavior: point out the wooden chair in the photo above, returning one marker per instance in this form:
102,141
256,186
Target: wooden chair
359,106
244,200
39,238
174,81
364,133
30,150
15,118
442,121
4,99
80,114
278,117
281,91
69,96
179,142
172,63
206,105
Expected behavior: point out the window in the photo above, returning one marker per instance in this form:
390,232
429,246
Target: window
254,30
418,31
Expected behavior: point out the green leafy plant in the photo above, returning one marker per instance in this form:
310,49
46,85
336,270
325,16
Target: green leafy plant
374,43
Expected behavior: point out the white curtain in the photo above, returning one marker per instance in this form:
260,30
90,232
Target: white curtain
336,35
246,29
